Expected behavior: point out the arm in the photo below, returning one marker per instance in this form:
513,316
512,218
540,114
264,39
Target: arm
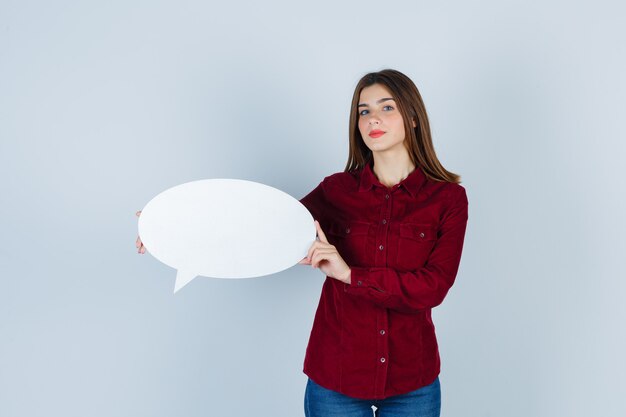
315,202
322,254
414,291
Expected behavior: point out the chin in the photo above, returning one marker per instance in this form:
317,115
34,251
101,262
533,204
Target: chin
380,146
384,147
374,144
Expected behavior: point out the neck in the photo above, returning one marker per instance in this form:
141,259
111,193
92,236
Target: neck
390,169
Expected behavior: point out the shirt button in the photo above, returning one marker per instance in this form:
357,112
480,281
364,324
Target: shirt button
384,221
382,360
422,234
348,230
381,247
382,332
359,283
387,196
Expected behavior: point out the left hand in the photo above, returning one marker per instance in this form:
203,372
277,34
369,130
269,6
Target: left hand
324,256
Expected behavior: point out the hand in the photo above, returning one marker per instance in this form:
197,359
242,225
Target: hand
140,247
324,256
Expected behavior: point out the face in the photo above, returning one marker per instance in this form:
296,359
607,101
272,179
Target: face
378,112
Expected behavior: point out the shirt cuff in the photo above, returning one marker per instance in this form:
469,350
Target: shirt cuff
361,282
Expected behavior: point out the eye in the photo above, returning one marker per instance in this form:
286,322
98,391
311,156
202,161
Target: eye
364,112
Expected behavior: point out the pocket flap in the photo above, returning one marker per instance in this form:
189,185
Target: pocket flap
420,232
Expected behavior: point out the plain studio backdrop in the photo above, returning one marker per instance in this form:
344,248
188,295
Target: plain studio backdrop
103,105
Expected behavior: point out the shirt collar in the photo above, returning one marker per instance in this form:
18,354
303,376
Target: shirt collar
411,184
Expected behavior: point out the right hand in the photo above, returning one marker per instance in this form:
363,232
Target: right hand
140,247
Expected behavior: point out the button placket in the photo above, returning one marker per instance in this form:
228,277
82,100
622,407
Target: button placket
382,345
383,229
382,349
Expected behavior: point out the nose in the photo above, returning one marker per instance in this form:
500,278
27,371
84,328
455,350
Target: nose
374,120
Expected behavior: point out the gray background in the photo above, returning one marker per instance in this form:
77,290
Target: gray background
105,104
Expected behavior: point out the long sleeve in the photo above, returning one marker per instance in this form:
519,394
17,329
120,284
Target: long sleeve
414,291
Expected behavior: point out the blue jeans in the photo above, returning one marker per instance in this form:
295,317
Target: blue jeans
322,402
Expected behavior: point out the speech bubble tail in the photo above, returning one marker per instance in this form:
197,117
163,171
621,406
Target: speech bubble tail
183,278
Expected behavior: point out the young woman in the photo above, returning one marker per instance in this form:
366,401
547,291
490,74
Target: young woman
390,236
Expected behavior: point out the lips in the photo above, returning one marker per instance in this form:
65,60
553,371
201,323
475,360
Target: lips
376,133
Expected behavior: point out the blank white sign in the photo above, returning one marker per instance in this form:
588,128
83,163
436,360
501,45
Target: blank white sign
226,228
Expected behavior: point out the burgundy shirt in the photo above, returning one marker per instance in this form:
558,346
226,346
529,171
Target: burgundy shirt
374,338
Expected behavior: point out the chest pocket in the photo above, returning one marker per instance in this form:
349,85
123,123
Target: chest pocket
350,239
414,245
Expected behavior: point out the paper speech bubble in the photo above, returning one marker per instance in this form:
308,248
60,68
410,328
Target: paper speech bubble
225,228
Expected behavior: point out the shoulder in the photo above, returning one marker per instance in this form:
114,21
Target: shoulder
456,203
338,182
342,181
456,192
450,193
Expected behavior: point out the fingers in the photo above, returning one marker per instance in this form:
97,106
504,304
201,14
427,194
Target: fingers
311,249
320,232
139,245
322,255
319,245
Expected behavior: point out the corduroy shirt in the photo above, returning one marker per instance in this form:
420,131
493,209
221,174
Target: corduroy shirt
375,338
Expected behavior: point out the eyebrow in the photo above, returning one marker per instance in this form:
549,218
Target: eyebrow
378,102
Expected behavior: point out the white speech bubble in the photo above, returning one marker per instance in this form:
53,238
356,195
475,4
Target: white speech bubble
225,228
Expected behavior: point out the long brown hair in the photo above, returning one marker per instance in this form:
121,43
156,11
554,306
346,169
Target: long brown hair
418,140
